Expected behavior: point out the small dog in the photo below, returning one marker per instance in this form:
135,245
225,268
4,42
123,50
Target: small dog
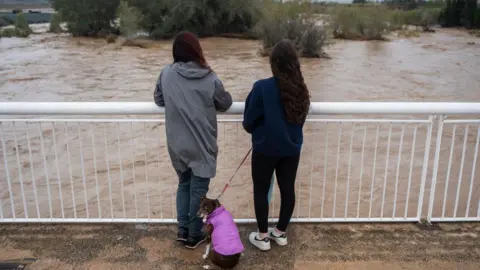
222,233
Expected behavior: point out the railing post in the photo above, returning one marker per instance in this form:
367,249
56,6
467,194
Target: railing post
428,142
438,146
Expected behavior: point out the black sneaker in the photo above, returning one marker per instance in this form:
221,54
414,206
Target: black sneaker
194,242
182,236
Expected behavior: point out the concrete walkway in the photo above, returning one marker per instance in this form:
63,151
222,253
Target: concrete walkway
337,246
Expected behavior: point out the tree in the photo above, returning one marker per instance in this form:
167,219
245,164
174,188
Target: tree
88,17
359,2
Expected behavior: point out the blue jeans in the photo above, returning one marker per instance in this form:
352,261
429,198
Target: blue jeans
190,189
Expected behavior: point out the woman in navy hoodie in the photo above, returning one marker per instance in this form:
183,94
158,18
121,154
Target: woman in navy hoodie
275,112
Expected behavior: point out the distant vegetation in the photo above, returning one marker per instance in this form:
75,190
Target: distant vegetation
21,28
309,24
461,13
361,23
88,17
8,18
23,3
55,26
164,18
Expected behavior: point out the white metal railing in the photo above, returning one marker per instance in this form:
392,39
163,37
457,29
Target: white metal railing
77,167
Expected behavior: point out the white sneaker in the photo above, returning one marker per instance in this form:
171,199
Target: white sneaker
262,244
280,240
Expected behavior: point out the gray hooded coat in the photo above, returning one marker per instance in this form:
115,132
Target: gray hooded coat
191,96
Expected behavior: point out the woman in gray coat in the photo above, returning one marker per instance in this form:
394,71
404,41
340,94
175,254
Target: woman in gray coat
192,94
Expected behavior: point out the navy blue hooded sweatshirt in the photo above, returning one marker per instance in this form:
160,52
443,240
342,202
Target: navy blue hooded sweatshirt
264,117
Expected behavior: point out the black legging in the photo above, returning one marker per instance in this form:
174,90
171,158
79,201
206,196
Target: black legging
286,171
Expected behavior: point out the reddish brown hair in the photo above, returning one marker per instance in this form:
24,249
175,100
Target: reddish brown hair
186,48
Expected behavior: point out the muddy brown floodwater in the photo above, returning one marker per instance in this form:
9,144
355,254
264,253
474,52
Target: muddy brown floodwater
95,174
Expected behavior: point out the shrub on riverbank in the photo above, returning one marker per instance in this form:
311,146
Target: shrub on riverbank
429,18
14,32
21,24
424,17
21,28
309,38
55,24
88,17
130,18
292,21
360,23
165,18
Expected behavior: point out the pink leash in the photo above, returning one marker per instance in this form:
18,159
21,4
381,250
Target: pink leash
231,178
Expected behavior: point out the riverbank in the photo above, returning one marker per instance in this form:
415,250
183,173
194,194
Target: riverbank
334,246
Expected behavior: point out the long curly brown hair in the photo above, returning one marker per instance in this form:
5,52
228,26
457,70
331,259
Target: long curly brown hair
288,75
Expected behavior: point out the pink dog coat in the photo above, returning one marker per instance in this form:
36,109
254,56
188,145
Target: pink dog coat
225,237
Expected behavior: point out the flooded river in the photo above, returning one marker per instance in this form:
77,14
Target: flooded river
98,169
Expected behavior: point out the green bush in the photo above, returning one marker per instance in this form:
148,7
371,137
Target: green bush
165,18
409,17
429,17
309,39
21,29
88,17
130,19
312,41
21,24
55,24
8,32
22,33
425,17
360,23
293,20
14,32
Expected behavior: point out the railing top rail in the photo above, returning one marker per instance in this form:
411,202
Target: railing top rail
317,108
